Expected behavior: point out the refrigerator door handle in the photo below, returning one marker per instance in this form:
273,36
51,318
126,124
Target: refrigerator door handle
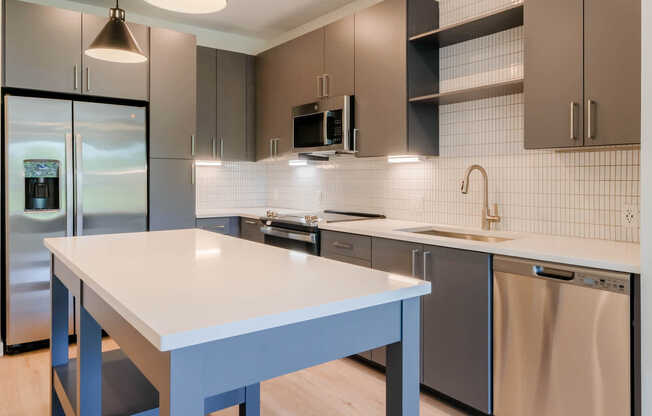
79,170
69,187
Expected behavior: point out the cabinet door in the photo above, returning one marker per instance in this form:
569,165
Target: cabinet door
456,325
250,139
397,257
305,64
381,79
339,57
224,225
42,47
206,103
110,79
232,105
173,60
553,74
250,230
274,86
612,75
171,194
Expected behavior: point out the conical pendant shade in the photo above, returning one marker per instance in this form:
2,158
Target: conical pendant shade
115,42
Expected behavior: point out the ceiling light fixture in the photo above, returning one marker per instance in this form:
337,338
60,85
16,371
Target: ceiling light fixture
404,159
190,6
115,42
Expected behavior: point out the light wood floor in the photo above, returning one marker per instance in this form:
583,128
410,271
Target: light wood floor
343,387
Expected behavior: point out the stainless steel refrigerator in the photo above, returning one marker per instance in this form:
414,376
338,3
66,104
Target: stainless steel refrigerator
71,168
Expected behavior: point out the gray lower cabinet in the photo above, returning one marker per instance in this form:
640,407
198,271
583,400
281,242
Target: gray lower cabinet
457,325
109,79
173,60
398,257
347,248
223,225
171,194
250,230
42,47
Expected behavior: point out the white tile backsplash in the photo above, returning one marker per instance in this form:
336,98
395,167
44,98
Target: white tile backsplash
572,194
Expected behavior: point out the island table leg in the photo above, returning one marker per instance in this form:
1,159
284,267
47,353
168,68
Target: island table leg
251,406
403,364
89,363
58,337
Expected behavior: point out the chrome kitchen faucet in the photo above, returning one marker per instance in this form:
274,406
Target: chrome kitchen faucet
487,217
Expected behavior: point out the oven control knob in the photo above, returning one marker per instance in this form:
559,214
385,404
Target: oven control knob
271,214
311,219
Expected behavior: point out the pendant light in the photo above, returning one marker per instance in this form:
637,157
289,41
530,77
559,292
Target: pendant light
190,6
115,42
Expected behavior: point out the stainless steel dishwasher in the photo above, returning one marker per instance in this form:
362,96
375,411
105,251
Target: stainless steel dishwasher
562,338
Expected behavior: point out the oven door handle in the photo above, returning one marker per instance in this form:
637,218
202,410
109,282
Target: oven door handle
290,235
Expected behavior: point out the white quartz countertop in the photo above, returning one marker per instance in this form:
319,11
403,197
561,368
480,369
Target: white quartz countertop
609,255
186,287
246,212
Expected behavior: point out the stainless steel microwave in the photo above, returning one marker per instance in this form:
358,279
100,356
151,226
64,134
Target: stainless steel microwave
323,126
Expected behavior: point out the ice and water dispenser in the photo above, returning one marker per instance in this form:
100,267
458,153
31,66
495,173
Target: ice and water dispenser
41,185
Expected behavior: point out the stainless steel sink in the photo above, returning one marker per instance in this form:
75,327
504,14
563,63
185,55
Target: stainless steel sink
463,236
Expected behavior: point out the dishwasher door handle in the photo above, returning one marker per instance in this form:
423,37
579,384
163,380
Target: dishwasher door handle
551,273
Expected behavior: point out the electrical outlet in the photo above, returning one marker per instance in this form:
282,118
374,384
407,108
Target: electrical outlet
630,216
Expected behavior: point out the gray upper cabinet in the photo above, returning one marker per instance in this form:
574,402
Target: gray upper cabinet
381,79
457,325
233,142
339,57
206,103
173,60
42,47
553,92
612,75
305,63
108,79
225,105
171,194
582,82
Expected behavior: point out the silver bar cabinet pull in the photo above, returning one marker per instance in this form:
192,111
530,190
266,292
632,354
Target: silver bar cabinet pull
76,77
414,262
79,186
213,148
88,79
271,147
192,173
320,86
573,136
221,149
589,121
325,85
192,144
426,255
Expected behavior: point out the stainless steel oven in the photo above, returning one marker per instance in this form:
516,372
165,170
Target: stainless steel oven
323,126
292,239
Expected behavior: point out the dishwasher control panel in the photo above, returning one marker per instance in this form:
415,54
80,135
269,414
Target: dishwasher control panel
610,283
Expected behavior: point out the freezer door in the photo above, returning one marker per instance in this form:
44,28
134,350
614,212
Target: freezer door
110,169
38,174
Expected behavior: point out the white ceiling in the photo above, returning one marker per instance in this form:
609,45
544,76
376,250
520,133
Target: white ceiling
263,19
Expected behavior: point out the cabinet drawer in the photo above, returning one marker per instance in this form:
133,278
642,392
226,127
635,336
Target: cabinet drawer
250,230
224,225
348,245
345,259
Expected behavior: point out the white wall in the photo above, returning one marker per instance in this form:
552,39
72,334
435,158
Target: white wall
646,210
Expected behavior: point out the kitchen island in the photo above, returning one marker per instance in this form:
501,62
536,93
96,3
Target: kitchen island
206,317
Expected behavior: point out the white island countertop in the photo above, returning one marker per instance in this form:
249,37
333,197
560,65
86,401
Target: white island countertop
185,287
601,254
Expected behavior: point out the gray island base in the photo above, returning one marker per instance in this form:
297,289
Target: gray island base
201,377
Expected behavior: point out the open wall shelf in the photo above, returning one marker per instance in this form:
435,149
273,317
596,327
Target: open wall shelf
468,94
476,27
